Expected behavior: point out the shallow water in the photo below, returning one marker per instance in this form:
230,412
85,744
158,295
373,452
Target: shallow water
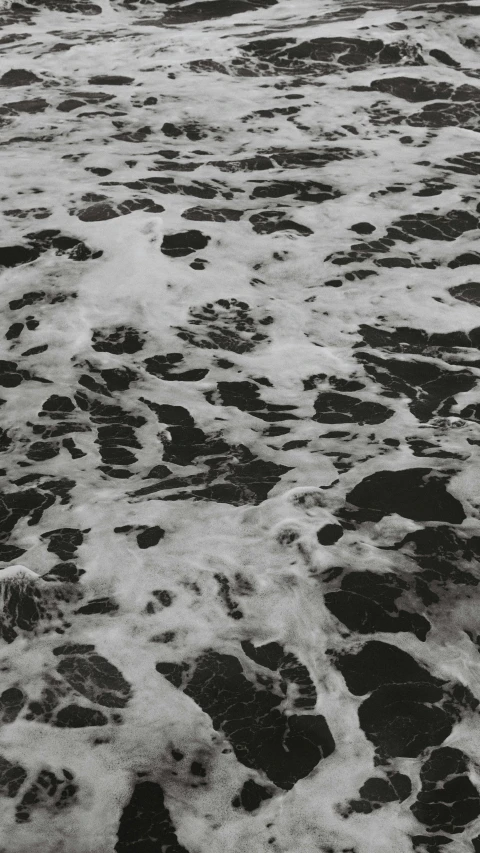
240,442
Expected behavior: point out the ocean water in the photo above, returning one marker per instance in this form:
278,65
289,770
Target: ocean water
239,515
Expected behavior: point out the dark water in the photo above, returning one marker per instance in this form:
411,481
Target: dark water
240,444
